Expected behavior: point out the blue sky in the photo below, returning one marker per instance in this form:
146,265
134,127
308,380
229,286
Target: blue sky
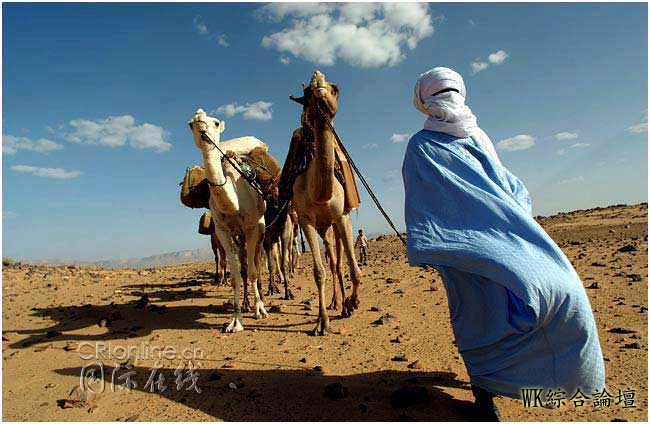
96,98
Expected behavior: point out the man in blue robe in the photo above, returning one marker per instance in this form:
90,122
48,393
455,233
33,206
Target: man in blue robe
520,314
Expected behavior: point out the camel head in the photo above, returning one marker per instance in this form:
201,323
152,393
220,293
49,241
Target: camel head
319,92
205,128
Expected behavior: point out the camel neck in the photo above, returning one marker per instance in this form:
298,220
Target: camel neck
324,163
223,193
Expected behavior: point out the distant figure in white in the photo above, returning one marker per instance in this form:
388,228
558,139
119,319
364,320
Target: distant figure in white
237,209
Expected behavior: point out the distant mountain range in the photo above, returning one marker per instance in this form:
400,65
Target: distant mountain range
194,255
155,261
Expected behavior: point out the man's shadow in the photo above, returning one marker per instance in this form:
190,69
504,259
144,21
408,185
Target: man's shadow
299,394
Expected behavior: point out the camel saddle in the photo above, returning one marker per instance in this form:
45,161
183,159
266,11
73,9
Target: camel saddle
195,190
301,152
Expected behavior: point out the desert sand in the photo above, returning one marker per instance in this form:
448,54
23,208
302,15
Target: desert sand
275,371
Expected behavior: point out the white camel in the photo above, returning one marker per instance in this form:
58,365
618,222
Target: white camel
237,209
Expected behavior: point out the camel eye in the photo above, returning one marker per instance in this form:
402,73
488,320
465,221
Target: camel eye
216,123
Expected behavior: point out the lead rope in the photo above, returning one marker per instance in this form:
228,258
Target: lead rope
356,170
253,183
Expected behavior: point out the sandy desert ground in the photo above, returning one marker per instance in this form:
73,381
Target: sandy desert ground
406,368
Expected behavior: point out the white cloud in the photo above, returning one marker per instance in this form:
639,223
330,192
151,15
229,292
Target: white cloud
260,110
285,60
58,173
199,26
370,146
478,66
579,145
9,214
497,58
518,142
222,40
116,131
638,128
391,176
565,136
202,29
577,179
400,138
11,144
366,35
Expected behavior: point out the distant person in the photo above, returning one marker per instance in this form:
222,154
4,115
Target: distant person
362,244
520,314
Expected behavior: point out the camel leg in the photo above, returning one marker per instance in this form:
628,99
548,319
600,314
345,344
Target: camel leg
323,322
246,304
339,266
236,322
285,245
253,241
224,264
218,258
329,248
271,266
344,227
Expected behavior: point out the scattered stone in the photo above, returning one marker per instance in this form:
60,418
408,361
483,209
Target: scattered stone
162,309
635,277
214,376
398,291
409,395
375,309
399,358
276,309
303,360
142,302
627,248
593,285
5,338
634,345
415,365
103,322
385,319
619,330
232,386
49,385
392,280
43,348
598,264
77,398
336,391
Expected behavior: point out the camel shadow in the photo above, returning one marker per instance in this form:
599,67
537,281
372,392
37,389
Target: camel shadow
298,394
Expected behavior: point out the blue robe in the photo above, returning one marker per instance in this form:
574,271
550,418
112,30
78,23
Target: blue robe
519,311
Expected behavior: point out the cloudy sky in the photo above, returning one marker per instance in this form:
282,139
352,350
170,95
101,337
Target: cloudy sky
96,98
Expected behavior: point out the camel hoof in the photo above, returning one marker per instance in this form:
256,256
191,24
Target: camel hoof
260,312
246,306
322,326
352,302
234,326
332,306
288,295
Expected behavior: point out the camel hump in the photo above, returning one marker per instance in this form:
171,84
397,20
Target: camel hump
243,146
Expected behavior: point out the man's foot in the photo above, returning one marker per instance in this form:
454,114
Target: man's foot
486,410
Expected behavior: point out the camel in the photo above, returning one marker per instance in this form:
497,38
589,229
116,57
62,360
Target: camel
277,245
237,209
294,251
319,198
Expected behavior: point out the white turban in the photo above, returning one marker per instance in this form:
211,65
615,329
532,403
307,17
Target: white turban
446,111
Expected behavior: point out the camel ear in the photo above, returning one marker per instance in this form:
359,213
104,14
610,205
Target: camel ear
190,123
221,125
335,90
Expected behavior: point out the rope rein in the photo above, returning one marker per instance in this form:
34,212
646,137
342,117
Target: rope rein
356,170
250,182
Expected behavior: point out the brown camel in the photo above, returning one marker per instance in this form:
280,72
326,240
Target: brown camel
318,196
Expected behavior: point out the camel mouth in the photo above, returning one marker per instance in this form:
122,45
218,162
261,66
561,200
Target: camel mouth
300,100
